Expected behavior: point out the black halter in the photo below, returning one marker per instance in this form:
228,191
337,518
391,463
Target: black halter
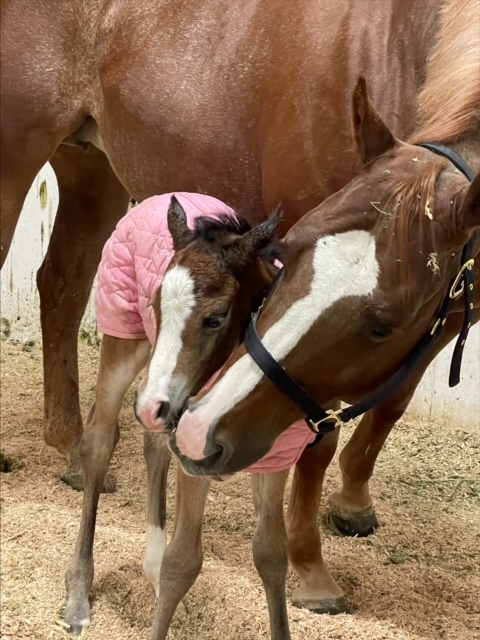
322,421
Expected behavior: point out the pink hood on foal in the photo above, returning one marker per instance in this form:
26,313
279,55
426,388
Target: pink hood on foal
133,264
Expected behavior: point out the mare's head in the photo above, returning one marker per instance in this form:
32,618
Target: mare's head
217,276
365,273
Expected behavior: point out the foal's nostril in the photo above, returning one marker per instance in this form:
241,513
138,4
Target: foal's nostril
163,410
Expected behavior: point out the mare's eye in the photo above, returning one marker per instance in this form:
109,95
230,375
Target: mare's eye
214,322
380,333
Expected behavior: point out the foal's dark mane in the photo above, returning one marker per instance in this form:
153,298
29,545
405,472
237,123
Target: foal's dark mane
207,227
212,230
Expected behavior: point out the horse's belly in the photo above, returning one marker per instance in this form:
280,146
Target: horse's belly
174,113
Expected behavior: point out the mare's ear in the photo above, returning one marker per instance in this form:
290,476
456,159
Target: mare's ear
177,225
372,135
246,249
468,212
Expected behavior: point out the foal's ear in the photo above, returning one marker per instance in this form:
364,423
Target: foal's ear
246,249
262,235
469,209
177,225
372,135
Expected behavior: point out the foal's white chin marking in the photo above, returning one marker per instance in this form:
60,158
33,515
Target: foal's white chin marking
177,302
156,543
344,265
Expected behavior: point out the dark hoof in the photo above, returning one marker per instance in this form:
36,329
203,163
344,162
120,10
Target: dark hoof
6,465
77,630
360,525
330,606
74,479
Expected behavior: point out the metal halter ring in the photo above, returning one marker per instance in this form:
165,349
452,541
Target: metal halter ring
332,415
456,290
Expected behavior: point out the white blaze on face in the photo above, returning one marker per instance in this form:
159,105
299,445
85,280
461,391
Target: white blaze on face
177,302
343,265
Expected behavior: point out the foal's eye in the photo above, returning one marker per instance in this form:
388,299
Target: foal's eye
214,322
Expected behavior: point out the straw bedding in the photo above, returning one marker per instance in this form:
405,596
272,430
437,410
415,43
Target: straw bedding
417,578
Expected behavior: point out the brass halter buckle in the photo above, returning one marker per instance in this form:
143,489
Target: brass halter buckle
458,285
332,415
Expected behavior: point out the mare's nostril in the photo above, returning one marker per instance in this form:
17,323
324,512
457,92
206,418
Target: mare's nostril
213,452
162,410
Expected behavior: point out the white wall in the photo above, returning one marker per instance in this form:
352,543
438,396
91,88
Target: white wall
20,314
20,304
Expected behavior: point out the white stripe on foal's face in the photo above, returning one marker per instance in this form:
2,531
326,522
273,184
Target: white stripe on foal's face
343,265
177,302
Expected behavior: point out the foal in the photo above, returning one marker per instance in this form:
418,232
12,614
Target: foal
233,264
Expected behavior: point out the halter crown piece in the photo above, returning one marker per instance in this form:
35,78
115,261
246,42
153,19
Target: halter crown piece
321,420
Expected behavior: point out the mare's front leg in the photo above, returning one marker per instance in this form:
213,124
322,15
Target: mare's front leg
270,547
157,458
183,556
318,591
351,509
120,362
92,200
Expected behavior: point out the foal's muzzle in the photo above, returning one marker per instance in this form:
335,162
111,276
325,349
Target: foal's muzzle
155,415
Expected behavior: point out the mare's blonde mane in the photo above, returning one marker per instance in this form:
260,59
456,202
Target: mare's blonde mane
449,103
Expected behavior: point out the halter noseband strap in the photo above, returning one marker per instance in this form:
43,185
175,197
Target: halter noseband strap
321,420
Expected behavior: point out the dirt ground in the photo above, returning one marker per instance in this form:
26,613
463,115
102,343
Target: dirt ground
417,578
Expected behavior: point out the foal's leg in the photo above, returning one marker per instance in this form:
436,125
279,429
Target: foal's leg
318,591
120,362
270,547
157,458
91,202
183,556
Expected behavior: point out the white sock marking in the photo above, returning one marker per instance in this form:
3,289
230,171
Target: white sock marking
344,265
156,543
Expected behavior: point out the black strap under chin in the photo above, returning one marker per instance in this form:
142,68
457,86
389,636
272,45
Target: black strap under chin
322,421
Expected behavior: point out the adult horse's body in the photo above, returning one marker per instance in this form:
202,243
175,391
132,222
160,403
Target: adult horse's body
244,101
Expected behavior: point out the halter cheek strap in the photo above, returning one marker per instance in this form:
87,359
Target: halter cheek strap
465,281
322,420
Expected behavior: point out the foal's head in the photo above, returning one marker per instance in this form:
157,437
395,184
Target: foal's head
217,276
365,274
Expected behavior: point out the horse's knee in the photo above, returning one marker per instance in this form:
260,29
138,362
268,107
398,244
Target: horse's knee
270,552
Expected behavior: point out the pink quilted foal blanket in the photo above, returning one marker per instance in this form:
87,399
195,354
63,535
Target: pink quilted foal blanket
133,264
